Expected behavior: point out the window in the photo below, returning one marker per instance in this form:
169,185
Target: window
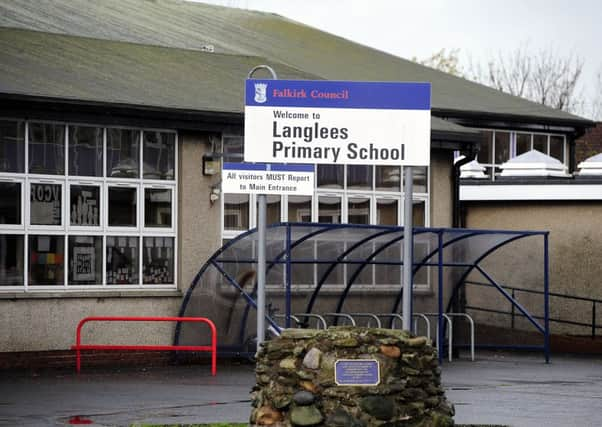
123,153
92,207
157,207
12,252
10,203
85,260
499,146
123,210
353,194
85,151
12,146
46,207
46,149
84,208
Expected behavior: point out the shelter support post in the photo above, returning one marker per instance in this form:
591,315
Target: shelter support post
408,243
546,296
440,332
287,321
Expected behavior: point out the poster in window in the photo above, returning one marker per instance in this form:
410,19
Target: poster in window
84,260
46,204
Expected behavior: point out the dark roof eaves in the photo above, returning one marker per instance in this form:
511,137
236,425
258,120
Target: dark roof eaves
577,122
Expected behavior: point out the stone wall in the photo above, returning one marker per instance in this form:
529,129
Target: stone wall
296,380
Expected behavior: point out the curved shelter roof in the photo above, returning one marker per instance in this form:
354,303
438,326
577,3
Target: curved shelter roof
323,263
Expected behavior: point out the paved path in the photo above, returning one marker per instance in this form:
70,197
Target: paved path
510,390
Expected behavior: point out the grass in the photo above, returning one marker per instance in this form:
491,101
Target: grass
244,425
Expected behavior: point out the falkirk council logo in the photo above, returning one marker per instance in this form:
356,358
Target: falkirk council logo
261,91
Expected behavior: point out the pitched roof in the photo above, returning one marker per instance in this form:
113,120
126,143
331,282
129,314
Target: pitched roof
238,39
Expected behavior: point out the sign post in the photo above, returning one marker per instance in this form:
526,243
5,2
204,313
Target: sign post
338,122
261,244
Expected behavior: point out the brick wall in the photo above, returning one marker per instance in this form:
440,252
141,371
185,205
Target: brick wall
589,144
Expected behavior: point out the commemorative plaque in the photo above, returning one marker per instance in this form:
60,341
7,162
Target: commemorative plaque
357,372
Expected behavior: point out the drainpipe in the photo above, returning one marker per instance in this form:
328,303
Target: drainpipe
458,221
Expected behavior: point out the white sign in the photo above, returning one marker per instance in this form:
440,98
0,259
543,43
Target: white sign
324,122
257,178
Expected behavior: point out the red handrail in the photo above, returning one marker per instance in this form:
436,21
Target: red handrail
212,348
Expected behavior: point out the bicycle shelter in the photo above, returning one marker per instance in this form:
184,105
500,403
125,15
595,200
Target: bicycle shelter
314,269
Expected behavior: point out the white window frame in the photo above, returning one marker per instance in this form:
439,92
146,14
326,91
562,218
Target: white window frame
66,230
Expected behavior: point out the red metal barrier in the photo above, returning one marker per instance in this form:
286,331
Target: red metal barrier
212,348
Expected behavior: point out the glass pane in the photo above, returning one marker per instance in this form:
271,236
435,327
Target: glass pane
421,251
122,207
157,207
329,251
236,212
10,203
159,155
358,210
359,177
11,260
85,151
84,206
123,153
122,260
85,260
419,174
12,146
46,148
389,274
329,210
233,148
273,210
46,260
502,147
523,143
330,176
299,208
485,149
388,178
158,260
557,147
45,206
387,212
419,213
540,143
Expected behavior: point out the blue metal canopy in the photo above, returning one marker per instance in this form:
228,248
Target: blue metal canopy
310,262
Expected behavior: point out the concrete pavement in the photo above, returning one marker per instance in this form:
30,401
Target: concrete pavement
515,390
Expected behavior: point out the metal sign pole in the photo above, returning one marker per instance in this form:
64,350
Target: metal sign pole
261,242
408,246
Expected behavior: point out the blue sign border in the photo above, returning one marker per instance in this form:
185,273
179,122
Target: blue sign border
338,94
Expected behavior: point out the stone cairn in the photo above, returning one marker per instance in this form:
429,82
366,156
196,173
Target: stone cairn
296,380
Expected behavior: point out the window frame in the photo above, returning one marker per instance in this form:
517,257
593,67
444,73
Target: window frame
66,230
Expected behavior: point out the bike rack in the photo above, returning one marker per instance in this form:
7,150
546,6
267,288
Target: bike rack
343,315
416,316
283,316
369,315
313,316
450,332
471,331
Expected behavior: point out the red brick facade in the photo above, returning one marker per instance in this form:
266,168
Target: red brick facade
589,144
